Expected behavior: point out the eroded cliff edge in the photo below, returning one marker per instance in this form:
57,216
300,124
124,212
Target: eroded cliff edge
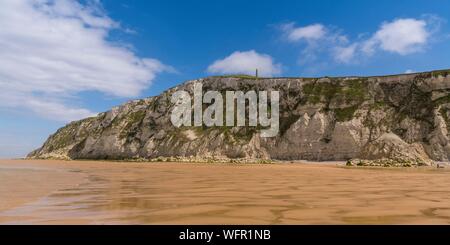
405,116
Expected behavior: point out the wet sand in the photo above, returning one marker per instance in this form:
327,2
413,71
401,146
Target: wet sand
83,192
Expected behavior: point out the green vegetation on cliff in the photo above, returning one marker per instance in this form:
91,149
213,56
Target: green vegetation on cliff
407,108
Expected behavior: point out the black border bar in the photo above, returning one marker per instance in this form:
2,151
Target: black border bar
279,234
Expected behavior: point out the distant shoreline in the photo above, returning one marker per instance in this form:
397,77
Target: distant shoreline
445,165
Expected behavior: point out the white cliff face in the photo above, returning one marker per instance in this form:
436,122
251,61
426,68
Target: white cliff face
320,119
301,140
438,147
391,148
348,138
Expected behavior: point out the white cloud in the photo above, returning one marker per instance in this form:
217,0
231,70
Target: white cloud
401,36
345,54
308,33
246,63
409,71
57,110
317,40
324,43
50,50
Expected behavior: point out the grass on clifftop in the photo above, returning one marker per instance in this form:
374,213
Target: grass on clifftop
242,76
443,73
350,92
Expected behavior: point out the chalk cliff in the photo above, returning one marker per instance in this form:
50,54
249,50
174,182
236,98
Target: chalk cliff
404,117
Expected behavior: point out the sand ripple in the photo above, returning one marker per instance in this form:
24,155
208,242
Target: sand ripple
51,192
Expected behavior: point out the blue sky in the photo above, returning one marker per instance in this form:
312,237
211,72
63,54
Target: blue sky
63,60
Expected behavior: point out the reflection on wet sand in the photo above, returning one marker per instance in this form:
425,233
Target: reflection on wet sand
174,193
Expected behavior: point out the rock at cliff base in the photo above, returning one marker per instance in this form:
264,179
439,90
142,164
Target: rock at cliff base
390,150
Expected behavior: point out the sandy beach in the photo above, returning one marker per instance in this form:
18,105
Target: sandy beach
92,192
